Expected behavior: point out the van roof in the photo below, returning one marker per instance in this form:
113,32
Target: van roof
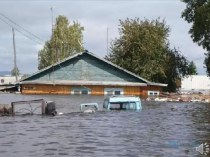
123,98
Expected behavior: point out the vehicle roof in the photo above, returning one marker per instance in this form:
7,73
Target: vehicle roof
123,98
89,104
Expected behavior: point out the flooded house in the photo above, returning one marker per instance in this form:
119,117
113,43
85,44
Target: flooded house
85,73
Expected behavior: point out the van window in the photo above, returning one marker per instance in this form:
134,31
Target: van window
123,106
132,105
115,106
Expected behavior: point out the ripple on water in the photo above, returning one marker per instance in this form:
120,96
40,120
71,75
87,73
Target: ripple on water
8,122
39,144
155,131
10,143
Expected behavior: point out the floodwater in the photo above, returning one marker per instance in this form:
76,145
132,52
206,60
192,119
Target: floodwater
159,130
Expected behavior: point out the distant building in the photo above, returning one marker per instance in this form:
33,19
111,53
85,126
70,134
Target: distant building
8,80
195,83
85,73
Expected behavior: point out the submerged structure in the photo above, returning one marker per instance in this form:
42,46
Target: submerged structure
85,73
89,107
122,103
31,106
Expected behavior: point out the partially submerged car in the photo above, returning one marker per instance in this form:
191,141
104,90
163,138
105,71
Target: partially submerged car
122,103
89,107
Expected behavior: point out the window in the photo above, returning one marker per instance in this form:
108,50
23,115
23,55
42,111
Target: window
84,92
2,80
115,106
113,91
78,91
116,92
123,106
153,93
106,102
109,92
132,105
150,93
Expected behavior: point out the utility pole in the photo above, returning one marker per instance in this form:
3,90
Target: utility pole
15,63
107,41
52,19
56,56
53,45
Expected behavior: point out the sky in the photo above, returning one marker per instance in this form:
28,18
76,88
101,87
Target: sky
96,16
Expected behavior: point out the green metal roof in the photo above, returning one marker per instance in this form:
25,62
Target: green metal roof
86,67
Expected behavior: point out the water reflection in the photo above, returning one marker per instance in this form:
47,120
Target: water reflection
158,130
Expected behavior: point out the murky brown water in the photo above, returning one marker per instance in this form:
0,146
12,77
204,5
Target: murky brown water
156,131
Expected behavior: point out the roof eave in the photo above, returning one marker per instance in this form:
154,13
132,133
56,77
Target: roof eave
99,83
157,84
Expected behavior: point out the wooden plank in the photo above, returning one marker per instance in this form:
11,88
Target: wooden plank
45,89
95,90
132,91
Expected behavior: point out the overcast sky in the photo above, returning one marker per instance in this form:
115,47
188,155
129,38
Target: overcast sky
95,16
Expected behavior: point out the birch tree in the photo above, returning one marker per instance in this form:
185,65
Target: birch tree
65,41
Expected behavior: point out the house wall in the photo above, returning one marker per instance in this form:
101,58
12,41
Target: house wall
133,90
95,90
150,88
45,89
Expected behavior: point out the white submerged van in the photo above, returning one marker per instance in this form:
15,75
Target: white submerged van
122,103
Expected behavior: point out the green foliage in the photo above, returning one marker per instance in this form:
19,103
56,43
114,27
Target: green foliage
65,41
207,63
176,67
140,47
192,70
143,49
15,71
197,12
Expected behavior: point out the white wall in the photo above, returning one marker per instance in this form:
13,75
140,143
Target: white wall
5,80
195,82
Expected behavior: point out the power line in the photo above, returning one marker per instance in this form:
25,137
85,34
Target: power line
35,40
20,29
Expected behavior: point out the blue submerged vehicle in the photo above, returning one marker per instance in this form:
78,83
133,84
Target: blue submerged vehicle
122,103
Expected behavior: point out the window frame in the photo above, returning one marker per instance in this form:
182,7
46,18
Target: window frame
80,91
